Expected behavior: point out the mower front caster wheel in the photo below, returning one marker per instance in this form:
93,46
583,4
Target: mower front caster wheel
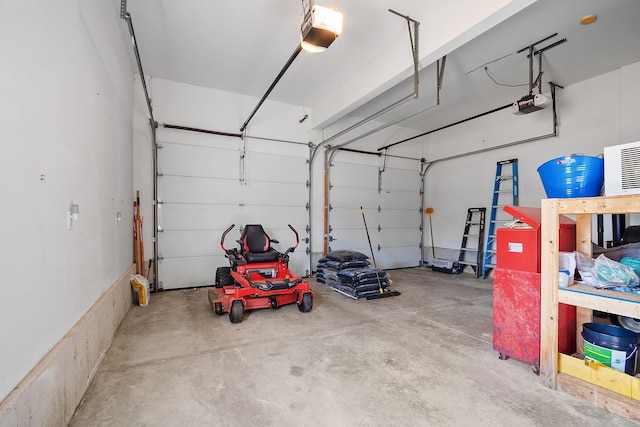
217,308
307,303
237,312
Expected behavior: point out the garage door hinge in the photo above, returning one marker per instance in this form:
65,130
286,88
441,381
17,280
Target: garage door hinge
308,184
379,228
421,192
307,250
308,206
307,229
379,208
160,230
330,229
159,146
331,238
420,245
305,240
158,203
160,258
159,173
241,204
379,247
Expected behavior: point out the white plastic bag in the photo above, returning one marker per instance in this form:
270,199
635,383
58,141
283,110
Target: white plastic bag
140,284
603,272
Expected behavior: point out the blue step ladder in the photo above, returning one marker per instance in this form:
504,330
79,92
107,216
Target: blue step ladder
505,192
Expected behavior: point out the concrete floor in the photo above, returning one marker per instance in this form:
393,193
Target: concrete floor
424,358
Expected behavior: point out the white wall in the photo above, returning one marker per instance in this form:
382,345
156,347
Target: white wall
66,131
592,114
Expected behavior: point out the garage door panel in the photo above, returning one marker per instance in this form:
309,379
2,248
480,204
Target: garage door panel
399,237
202,194
354,175
272,219
189,272
269,167
400,257
401,179
390,218
399,216
351,218
354,237
190,216
198,190
203,161
356,197
395,199
274,194
190,243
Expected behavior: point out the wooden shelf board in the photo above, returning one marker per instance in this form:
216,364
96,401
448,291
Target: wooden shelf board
600,205
581,295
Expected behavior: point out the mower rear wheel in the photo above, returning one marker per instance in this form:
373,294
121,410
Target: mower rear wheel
307,303
237,312
223,277
217,308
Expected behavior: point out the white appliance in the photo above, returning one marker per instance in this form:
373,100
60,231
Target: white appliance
622,169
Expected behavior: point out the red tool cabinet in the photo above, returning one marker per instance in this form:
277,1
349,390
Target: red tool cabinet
516,289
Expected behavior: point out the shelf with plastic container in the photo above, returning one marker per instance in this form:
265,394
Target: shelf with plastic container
590,380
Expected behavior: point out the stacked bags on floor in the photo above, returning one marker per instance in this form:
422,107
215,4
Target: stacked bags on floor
349,273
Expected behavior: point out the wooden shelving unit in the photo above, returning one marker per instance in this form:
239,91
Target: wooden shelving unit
586,299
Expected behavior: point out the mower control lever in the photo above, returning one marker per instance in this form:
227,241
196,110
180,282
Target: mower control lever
224,235
291,249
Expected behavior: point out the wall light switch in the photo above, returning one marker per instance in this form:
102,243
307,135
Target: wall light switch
72,215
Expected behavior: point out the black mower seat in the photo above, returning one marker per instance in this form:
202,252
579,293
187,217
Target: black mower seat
256,245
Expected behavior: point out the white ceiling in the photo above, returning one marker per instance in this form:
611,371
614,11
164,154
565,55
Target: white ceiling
240,46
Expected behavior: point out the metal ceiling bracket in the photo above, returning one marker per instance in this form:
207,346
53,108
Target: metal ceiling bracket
414,48
530,56
123,9
440,71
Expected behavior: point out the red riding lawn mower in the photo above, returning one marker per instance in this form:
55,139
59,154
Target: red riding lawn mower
259,277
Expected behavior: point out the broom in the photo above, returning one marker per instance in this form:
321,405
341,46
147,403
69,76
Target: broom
371,249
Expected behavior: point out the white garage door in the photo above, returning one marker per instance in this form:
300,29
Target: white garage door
392,210
205,185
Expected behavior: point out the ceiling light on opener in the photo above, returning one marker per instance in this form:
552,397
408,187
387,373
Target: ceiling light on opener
320,27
